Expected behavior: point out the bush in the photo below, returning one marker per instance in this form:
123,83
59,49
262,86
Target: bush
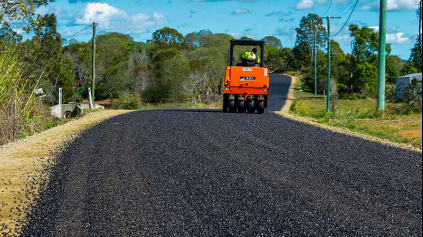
155,94
212,98
126,101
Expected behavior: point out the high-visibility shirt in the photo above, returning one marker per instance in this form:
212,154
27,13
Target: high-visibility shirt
251,55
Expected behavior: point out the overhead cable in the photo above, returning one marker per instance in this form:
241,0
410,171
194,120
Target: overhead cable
79,32
327,10
347,19
343,9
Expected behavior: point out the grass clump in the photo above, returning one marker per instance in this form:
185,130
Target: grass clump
17,99
20,114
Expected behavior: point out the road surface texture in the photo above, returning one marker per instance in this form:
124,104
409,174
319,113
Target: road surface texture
278,92
208,173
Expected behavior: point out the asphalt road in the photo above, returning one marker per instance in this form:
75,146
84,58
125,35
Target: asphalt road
207,173
278,91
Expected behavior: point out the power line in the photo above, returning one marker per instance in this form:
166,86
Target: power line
347,19
343,9
348,11
79,32
328,8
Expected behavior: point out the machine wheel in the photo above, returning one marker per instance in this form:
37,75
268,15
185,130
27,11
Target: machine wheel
250,106
232,107
241,106
225,103
260,107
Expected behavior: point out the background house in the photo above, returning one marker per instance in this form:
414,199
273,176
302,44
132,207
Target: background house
403,82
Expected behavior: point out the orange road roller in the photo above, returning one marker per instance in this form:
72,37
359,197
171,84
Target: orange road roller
246,80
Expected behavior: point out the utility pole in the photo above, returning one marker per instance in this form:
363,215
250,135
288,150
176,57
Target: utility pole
329,52
312,56
93,63
382,55
315,62
420,27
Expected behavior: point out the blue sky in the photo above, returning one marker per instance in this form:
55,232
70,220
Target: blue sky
253,18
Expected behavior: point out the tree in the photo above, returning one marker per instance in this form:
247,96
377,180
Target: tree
8,35
394,65
17,9
208,63
416,51
340,67
197,39
175,72
44,57
364,58
273,41
301,53
408,69
310,25
416,56
365,43
273,57
20,10
246,38
217,40
167,36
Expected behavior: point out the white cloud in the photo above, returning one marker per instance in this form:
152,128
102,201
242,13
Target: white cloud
376,28
394,37
112,18
397,38
284,31
343,38
103,13
240,11
57,10
393,5
140,22
308,4
402,4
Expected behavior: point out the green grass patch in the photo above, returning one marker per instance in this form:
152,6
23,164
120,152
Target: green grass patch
398,123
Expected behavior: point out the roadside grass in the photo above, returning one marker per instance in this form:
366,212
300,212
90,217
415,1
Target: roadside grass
361,116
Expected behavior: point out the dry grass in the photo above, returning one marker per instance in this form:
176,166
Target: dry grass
23,165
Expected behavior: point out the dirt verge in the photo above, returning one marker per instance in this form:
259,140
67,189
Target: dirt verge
24,164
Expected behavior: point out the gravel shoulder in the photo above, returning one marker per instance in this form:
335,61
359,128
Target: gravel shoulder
24,164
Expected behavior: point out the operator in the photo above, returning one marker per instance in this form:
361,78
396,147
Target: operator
251,55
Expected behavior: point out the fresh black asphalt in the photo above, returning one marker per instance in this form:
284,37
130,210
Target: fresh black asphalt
278,92
208,173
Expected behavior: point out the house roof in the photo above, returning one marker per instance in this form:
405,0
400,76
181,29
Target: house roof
412,76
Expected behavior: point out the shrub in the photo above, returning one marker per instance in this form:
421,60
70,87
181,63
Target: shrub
155,94
126,101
